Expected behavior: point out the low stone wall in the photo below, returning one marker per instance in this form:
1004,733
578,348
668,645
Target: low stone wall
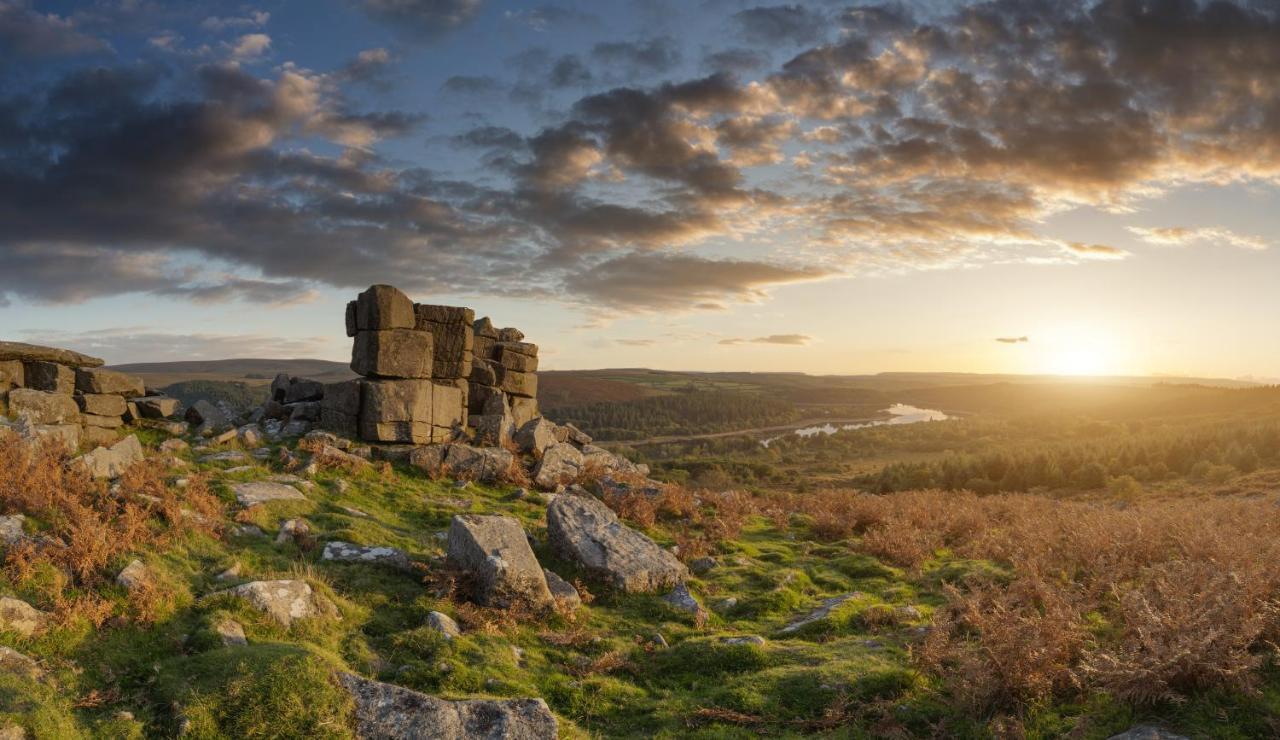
70,396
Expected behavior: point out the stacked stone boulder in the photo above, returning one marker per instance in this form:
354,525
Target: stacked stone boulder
70,396
503,385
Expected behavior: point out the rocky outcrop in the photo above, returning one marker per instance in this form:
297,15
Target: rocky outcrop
283,601
493,554
387,712
584,530
20,352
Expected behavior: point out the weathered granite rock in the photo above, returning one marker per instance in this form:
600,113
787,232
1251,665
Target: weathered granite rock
11,531
66,436
392,353
297,531
566,596
102,422
484,372
97,380
523,410
510,334
536,436
518,384
50,377
584,530
33,352
821,612
208,418
135,576
383,307
156,407
444,624
18,616
492,430
682,600
284,601
340,407
12,375
102,404
743,640
447,406
345,552
253,493
397,411
387,712
429,458
484,464
519,348
560,465
230,632
250,435
495,555
111,462
514,361
1147,732
302,389
13,661
43,407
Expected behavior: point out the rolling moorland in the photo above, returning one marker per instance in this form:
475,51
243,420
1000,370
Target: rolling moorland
1060,559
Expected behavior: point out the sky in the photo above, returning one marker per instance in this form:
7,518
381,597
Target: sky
1022,186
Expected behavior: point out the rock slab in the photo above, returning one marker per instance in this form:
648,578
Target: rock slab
495,555
583,529
388,712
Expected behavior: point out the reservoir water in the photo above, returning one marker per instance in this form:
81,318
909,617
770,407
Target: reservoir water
899,413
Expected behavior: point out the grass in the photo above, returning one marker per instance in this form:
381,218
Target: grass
998,616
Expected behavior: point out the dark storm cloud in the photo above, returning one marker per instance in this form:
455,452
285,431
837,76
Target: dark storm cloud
902,142
425,19
27,31
781,24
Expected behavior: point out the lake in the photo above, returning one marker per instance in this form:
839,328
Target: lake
899,413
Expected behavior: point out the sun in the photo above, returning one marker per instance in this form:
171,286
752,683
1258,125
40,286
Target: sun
1079,360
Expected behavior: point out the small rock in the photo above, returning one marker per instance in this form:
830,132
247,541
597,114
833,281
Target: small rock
230,632
341,486
11,532
257,492
284,601
818,613
658,640
225,456
743,640
230,574
444,624
565,595
345,552
174,445
702,566
293,530
134,576
19,616
15,662
247,530
682,600
727,604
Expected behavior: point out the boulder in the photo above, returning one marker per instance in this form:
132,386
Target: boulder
111,462
444,624
566,596
681,599
389,712
209,419
42,407
515,361
94,436
383,307
135,576
11,531
97,380
492,430
560,465
250,435
584,530
345,552
230,632
23,352
523,410
50,377
297,531
397,411
429,458
448,406
510,334
392,353
483,372
102,404
494,553
18,616
535,436
156,407
302,389
283,601
518,348
67,436
102,422
253,493
483,327
576,435
304,411
484,464
518,384
328,456
340,407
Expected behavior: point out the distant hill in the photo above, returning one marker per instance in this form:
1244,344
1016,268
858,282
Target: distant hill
251,371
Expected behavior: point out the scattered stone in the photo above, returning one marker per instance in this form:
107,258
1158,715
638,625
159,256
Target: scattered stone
819,613
341,486
743,640
230,574
174,445
494,552
704,565
283,601
907,613
113,461
247,530
727,604
566,596
576,435
293,530
484,464
681,600
444,624
156,407
230,632
584,530
134,576
659,641
18,616
250,435
13,661
345,552
1147,732
11,532
536,436
253,493
560,465
223,437
328,456
225,456
393,713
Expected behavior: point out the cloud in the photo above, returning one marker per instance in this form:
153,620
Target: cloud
1181,236
146,344
636,342
25,31
422,19
1095,251
791,340
254,19
250,47
471,84
1013,340
544,17
658,54
736,60
781,24
657,282
369,67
